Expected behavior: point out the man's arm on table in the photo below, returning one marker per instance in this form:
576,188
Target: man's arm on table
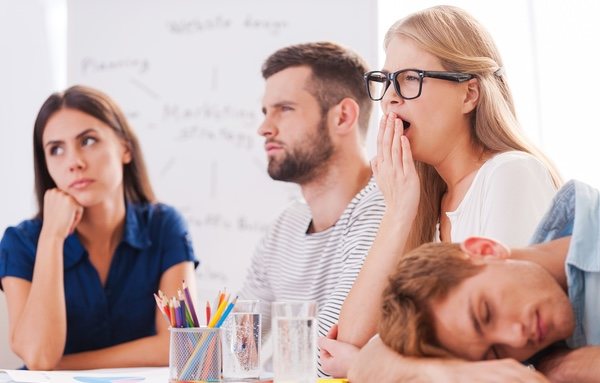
581,365
377,363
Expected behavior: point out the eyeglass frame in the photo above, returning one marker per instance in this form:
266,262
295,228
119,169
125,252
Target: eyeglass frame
391,78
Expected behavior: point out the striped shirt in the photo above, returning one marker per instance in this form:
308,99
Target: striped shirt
290,264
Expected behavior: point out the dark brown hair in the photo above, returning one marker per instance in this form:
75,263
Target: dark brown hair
136,183
425,274
337,73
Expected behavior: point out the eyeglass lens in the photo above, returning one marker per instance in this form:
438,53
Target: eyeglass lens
408,82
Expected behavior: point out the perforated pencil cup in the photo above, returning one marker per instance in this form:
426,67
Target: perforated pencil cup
195,355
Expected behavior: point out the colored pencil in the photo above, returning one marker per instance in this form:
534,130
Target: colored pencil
172,311
179,310
226,313
190,304
217,315
185,310
207,312
165,305
216,303
161,309
177,314
222,296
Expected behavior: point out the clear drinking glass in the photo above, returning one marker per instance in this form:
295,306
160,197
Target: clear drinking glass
241,342
294,326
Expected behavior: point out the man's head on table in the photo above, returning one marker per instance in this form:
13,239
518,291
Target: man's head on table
472,301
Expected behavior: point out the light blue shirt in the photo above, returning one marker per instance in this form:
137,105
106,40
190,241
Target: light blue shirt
575,211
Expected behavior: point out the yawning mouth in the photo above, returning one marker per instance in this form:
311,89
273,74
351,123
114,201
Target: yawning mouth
406,124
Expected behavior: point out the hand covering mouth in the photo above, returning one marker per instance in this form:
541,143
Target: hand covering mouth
405,124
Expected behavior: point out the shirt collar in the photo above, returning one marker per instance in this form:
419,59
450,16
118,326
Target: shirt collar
583,250
135,234
73,250
558,220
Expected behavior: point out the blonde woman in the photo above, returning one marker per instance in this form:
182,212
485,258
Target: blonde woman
451,160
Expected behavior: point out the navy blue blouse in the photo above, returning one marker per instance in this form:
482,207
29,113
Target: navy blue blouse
155,238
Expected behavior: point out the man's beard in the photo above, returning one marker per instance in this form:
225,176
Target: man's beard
307,160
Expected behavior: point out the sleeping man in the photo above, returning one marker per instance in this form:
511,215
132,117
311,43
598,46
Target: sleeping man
479,300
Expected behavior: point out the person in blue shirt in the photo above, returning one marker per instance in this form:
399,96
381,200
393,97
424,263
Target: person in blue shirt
79,278
480,300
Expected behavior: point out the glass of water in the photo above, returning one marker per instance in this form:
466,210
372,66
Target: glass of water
241,342
294,326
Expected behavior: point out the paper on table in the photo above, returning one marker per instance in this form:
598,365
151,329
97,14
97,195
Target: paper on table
28,376
118,375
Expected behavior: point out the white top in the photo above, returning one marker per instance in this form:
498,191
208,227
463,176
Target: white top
507,199
290,264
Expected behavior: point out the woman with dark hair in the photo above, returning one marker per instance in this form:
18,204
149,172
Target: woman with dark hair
79,278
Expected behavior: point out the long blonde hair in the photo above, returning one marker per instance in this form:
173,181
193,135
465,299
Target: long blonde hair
462,44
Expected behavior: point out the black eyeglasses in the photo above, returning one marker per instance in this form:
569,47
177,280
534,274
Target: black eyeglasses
407,82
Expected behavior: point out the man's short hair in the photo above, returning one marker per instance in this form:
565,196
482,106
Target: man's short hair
425,274
337,73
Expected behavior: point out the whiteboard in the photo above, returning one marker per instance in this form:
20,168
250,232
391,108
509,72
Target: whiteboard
187,74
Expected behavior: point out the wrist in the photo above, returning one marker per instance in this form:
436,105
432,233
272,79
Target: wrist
398,219
51,237
438,370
